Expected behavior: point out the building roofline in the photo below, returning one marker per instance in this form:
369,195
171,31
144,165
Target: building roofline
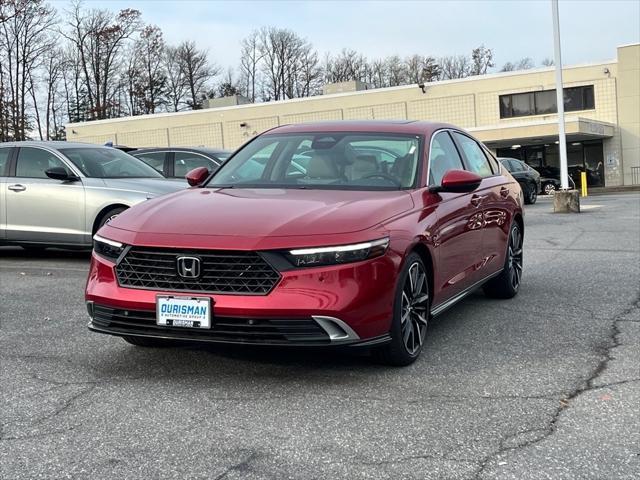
476,78
634,44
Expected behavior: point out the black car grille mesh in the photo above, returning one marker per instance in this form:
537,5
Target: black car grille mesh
230,272
224,329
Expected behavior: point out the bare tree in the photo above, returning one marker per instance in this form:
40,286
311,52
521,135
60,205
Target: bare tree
52,72
228,87
284,56
309,80
422,69
454,66
176,85
24,32
250,58
547,62
197,72
148,55
347,65
100,37
525,63
481,60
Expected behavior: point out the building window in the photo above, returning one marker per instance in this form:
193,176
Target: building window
544,102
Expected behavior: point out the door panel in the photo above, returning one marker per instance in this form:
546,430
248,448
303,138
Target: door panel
458,239
458,235
40,209
496,221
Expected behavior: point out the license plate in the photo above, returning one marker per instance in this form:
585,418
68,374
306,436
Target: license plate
186,312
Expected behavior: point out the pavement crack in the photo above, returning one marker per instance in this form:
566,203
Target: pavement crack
588,384
241,466
409,458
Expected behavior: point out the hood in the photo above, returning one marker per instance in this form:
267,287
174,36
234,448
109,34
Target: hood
154,186
263,212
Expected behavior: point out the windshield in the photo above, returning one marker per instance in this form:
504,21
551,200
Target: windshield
360,161
108,163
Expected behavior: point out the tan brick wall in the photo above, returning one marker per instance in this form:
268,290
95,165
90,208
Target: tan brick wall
469,103
145,138
206,135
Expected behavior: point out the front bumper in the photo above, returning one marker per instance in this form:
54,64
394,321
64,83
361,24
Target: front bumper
348,304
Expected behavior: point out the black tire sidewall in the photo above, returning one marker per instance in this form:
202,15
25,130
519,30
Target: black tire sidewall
533,194
396,326
108,214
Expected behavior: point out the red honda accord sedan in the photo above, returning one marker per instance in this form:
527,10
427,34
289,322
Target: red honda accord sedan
343,233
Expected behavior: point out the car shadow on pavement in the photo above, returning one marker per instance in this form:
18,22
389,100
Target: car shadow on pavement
44,253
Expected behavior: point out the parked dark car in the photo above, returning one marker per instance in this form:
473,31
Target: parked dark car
176,162
347,249
594,178
550,180
527,177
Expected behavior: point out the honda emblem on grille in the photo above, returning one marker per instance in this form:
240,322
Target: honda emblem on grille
188,267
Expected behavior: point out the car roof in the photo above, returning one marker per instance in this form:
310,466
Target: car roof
210,151
412,127
54,144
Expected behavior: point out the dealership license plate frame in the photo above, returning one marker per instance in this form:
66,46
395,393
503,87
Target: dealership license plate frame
203,322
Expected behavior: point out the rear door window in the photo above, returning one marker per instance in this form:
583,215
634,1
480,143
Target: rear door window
153,159
476,160
184,162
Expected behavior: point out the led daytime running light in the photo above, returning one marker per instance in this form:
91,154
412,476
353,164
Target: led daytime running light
112,243
384,242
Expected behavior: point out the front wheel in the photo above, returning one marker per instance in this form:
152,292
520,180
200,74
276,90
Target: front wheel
532,197
507,284
549,189
109,215
410,315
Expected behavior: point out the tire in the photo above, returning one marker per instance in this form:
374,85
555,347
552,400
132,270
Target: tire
410,315
507,284
149,342
549,189
533,194
109,215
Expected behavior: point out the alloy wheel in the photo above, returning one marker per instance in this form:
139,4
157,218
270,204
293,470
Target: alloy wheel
549,189
514,261
414,311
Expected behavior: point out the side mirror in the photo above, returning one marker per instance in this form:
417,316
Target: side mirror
197,176
458,181
59,173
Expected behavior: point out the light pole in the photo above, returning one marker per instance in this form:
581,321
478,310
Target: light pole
562,145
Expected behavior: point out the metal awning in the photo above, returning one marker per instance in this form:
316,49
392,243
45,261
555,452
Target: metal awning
508,134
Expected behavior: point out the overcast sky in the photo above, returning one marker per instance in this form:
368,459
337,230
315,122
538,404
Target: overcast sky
590,29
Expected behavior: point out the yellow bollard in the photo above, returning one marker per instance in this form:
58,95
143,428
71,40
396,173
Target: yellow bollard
583,180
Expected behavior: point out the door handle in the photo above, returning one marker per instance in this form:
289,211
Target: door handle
477,199
17,187
504,191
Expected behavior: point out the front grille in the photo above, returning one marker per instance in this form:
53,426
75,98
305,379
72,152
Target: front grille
224,329
230,272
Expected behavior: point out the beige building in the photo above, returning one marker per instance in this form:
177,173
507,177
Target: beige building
513,113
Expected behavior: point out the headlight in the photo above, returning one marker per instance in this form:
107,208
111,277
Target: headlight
313,257
106,248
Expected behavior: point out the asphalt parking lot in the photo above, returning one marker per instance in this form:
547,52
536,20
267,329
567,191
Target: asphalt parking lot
544,386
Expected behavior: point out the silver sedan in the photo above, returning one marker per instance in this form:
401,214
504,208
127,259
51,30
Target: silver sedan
59,193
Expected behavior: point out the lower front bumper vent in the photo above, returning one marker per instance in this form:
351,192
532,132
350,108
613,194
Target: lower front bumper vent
305,331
